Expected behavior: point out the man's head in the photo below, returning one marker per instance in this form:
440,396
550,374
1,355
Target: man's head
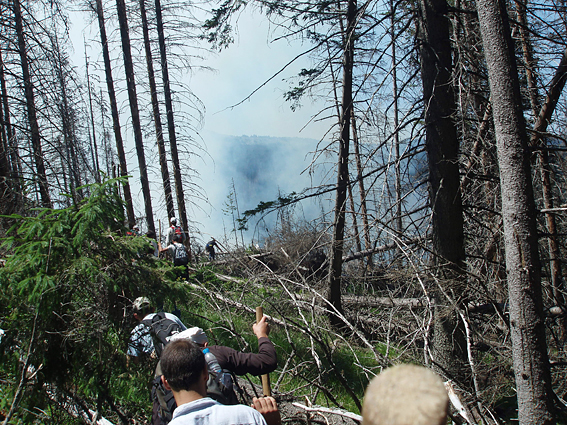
405,395
173,221
141,307
177,238
183,367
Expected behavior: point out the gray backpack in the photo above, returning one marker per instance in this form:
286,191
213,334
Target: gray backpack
180,257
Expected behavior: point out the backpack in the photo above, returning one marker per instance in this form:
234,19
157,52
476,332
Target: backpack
220,387
161,330
177,230
180,257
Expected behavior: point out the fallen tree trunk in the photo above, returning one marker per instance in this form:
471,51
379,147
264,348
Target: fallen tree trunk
382,248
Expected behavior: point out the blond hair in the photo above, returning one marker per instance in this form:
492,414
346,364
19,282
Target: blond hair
405,395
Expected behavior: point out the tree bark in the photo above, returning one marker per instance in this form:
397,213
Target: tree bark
529,350
133,101
156,113
115,116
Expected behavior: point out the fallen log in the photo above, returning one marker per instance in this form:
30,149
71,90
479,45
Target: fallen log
383,301
382,248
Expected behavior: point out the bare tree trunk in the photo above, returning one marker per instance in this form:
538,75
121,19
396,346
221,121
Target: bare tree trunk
30,105
556,87
354,220
94,147
66,116
398,187
529,350
543,156
156,112
16,166
336,260
108,152
442,147
115,116
361,189
133,100
171,124
6,184
6,192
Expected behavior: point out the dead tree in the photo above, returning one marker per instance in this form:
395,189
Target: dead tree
171,123
156,113
442,146
31,108
529,349
114,110
336,257
135,112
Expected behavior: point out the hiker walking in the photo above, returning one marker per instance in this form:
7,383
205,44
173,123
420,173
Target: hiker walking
229,359
135,231
152,237
174,229
179,255
210,249
190,392
141,342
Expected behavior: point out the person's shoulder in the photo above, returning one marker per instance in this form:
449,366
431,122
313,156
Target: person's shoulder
176,319
217,413
236,410
139,328
240,413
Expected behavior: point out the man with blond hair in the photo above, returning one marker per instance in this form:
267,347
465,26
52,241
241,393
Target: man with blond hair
405,395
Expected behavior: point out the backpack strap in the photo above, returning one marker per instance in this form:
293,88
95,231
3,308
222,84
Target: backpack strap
162,400
236,386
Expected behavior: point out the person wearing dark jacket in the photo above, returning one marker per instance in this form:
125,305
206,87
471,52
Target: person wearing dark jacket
186,375
265,361
210,249
261,363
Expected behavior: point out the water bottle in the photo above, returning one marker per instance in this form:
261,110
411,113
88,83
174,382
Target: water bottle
212,361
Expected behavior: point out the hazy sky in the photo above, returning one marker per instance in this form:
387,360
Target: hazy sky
238,71
242,68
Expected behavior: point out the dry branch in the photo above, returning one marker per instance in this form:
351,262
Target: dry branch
319,409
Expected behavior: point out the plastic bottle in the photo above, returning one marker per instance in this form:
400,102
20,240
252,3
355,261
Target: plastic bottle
212,361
